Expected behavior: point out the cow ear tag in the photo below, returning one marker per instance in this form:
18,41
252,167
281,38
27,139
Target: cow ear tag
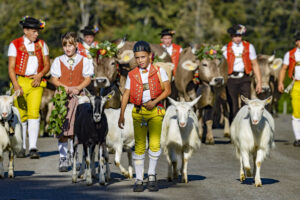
275,66
126,58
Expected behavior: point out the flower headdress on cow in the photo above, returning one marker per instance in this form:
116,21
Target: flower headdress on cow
104,49
30,22
209,52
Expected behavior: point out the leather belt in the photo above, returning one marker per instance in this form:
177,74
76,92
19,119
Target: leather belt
237,75
145,86
31,53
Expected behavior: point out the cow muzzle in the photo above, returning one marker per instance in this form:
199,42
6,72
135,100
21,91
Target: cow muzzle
101,82
217,81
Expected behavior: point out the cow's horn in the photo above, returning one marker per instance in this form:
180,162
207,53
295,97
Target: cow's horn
194,50
163,55
270,59
122,43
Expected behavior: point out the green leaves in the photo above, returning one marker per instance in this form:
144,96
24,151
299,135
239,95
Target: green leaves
104,49
209,52
59,113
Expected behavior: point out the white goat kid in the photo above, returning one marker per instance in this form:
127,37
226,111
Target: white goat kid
119,139
252,132
10,132
180,136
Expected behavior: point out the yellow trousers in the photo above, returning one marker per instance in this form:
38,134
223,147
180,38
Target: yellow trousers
295,94
154,119
29,104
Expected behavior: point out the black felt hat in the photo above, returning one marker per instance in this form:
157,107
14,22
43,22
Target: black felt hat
141,46
237,29
297,36
167,32
30,22
89,30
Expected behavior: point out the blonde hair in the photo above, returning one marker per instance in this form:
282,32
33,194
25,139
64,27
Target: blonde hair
69,38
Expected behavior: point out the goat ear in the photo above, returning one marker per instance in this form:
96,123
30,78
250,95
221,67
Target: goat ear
192,103
172,101
268,100
110,95
244,99
86,92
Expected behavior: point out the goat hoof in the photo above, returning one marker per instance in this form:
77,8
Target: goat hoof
89,182
11,175
242,177
227,135
102,183
258,183
248,171
126,174
184,180
210,141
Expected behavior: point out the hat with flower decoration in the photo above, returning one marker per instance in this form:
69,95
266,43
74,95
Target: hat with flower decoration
30,22
90,30
237,29
167,32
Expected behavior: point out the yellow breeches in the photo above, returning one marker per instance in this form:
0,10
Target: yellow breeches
29,104
154,119
295,94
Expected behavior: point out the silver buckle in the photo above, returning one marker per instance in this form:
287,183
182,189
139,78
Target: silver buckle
239,75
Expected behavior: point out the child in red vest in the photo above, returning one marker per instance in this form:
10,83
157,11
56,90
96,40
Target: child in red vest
291,63
73,72
28,62
88,41
145,87
241,59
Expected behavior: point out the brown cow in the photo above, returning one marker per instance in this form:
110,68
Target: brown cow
213,76
270,68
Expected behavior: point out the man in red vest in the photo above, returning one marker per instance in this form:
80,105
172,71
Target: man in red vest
88,41
291,63
28,62
174,50
241,59
146,86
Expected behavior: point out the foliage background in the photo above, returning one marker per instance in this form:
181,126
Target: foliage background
270,24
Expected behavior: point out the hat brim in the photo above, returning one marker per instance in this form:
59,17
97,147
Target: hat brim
233,32
33,26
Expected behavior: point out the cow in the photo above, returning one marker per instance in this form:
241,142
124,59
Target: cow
270,68
213,76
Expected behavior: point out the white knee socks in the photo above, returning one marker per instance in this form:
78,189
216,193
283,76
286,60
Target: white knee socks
138,161
153,157
24,133
33,132
296,127
63,149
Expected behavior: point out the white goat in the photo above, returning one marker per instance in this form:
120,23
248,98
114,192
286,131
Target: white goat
252,132
180,136
10,132
118,139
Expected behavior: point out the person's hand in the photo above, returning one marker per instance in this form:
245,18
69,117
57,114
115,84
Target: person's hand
36,80
74,90
18,87
280,87
121,122
258,88
149,105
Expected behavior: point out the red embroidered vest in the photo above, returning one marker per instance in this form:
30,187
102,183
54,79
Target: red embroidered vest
292,62
81,50
136,85
23,55
71,78
175,56
245,57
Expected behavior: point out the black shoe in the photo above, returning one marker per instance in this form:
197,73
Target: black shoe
34,154
138,186
297,143
21,154
152,183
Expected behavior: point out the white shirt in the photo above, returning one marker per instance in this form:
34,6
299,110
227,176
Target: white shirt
88,67
170,49
286,61
32,64
238,65
144,76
